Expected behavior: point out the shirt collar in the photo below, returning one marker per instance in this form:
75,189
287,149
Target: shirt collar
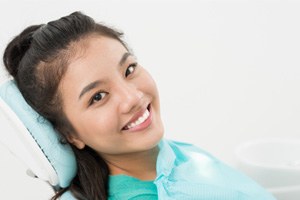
165,160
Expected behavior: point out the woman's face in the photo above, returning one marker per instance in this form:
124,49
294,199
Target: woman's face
111,101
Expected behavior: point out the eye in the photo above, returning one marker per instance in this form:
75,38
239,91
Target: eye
97,97
130,69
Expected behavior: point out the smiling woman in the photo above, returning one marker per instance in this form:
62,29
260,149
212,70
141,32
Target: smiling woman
81,76
111,116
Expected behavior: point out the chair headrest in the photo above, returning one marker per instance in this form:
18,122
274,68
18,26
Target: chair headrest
39,143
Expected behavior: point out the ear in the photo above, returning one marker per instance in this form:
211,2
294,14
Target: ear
75,141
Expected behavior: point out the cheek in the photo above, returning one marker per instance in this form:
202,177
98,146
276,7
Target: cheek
100,131
149,84
99,122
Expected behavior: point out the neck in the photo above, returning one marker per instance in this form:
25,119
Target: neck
141,165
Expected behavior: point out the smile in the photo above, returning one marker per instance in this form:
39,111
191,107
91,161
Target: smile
141,123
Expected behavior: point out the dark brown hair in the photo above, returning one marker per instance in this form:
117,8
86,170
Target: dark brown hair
37,59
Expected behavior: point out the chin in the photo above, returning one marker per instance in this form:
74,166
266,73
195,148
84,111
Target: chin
155,138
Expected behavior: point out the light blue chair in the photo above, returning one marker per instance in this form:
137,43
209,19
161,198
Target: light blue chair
39,145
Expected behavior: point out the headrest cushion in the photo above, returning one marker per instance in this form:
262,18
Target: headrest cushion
59,155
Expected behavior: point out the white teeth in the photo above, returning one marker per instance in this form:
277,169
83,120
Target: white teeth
139,120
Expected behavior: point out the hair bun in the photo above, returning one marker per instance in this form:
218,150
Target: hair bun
17,48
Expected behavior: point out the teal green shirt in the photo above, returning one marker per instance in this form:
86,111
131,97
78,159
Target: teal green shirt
185,172
123,187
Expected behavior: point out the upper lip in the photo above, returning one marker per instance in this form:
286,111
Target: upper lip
136,116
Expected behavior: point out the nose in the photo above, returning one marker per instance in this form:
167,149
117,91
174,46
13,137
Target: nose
131,98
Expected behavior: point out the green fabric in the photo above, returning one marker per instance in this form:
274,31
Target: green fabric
126,187
186,172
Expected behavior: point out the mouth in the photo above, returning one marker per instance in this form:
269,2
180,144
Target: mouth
140,122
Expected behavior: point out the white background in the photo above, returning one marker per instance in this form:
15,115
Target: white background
227,71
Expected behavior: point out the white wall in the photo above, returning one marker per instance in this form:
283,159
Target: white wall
227,71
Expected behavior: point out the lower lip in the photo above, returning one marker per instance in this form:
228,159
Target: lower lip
143,125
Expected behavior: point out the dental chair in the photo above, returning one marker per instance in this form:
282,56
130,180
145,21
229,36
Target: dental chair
34,141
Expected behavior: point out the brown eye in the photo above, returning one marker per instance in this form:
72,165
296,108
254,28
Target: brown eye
98,97
130,69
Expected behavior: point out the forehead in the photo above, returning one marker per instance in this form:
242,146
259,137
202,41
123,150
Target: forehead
95,52
92,57
95,45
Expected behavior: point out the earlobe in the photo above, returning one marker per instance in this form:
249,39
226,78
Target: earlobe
76,142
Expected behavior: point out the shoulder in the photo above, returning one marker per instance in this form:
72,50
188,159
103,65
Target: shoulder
196,170
184,149
185,146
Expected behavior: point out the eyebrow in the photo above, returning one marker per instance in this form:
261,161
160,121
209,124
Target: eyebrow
124,58
89,87
96,83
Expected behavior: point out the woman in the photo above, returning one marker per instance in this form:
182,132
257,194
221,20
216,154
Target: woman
82,77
